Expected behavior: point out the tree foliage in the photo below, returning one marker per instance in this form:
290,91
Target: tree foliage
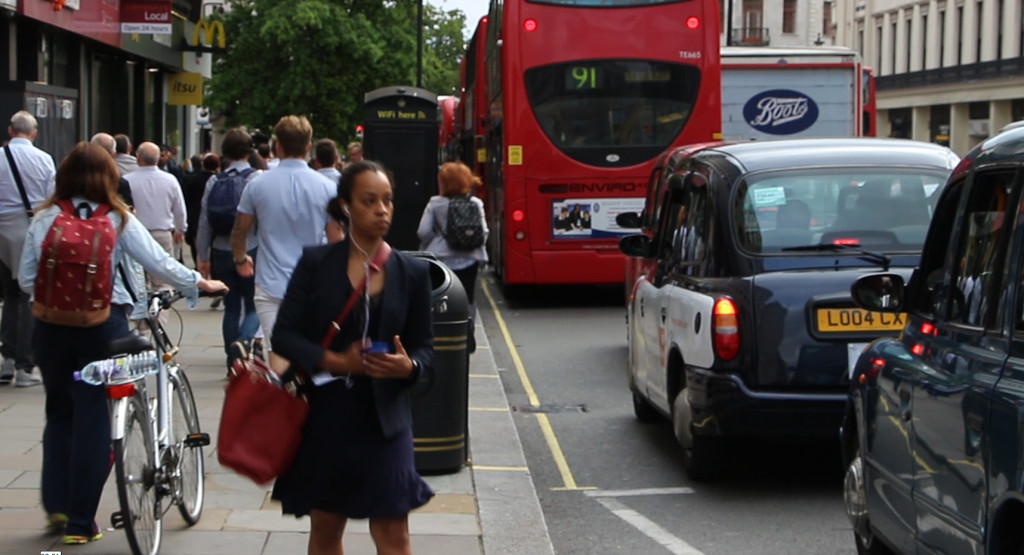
319,57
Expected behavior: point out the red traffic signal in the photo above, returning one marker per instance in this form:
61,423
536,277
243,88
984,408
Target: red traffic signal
359,131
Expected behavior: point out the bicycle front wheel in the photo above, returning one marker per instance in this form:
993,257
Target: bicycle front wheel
135,466
191,470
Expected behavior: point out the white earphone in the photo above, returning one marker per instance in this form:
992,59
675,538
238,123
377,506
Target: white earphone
345,210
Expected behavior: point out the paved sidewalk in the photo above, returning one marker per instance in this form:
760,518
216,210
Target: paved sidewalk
488,507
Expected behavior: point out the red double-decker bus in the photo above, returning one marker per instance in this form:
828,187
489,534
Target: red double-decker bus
473,107
583,96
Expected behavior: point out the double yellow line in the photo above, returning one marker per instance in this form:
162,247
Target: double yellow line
568,482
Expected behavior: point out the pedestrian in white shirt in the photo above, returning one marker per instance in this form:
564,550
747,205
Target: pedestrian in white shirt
26,179
159,202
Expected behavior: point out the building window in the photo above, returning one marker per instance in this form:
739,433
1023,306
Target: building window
752,16
878,48
980,30
959,35
788,16
826,20
910,40
942,38
892,47
1000,6
924,41
721,17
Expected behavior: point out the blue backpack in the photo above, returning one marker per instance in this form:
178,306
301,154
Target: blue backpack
222,202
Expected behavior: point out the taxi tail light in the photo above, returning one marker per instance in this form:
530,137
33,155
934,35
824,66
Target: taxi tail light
877,364
725,329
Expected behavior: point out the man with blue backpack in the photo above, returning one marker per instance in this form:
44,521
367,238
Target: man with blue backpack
218,209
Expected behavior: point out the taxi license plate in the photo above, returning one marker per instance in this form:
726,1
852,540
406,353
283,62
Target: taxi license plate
844,320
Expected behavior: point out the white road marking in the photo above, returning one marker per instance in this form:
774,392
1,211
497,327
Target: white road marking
638,492
649,528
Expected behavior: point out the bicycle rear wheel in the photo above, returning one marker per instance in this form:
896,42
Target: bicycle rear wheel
135,466
190,470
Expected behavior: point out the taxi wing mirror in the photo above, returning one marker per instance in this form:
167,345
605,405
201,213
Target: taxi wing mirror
628,220
635,245
879,292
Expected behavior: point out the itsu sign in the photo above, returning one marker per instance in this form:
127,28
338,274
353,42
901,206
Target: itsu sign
149,17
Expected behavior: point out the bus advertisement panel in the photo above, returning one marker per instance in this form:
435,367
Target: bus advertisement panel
582,98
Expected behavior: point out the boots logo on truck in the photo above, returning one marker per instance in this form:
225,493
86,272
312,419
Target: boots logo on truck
780,112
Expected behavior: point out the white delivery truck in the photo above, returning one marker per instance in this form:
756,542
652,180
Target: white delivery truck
780,92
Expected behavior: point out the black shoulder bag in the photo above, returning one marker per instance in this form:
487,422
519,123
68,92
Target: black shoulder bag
18,182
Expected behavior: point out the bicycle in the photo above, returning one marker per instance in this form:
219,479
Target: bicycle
157,441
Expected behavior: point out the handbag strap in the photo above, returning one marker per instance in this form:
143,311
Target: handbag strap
18,182
379,259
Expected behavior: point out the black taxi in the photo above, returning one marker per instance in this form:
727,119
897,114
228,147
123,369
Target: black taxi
740,321
934,431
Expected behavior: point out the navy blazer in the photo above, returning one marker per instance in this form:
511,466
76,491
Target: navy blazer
317,292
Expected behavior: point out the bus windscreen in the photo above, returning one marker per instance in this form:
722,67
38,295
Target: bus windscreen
612,112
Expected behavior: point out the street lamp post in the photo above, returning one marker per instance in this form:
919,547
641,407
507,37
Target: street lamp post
419,44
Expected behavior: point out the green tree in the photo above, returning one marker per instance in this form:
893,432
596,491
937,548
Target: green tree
319,57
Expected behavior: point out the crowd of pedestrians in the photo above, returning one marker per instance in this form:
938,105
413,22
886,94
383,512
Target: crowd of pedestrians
250,216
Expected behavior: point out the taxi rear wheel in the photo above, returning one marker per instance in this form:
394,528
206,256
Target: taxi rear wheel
703,456
855,500
643,410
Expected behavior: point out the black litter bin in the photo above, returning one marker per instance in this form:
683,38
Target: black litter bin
440,415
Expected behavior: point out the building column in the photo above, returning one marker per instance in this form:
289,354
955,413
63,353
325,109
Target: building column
959,134
932,31
999,114
989,20
915,36
888,38
949,36
969,33
920,129
883,126
901,42
1011,28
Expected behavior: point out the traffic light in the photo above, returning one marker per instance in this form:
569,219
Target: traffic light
359,131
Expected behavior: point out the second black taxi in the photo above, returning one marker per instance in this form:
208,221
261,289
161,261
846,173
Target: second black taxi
740,321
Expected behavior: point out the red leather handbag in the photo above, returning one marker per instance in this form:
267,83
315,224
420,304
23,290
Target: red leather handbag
261,423
262,419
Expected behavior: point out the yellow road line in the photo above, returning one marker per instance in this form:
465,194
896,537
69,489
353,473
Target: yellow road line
568,482
518,362
504,468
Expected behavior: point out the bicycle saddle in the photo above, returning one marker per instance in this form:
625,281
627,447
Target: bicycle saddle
128,345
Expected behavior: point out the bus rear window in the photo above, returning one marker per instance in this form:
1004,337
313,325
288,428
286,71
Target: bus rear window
630,108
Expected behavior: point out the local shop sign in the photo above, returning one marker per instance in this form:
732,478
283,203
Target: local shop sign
149,17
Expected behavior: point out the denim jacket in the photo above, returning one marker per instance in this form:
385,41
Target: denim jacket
133,242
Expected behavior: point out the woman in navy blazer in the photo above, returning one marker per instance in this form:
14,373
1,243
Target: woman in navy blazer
356,457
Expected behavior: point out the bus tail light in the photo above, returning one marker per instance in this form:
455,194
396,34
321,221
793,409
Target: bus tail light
518,215
725,329
530,25
693,22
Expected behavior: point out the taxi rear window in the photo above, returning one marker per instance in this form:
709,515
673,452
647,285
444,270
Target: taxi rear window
888,211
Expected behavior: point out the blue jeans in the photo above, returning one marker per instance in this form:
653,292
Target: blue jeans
76,439
235,326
